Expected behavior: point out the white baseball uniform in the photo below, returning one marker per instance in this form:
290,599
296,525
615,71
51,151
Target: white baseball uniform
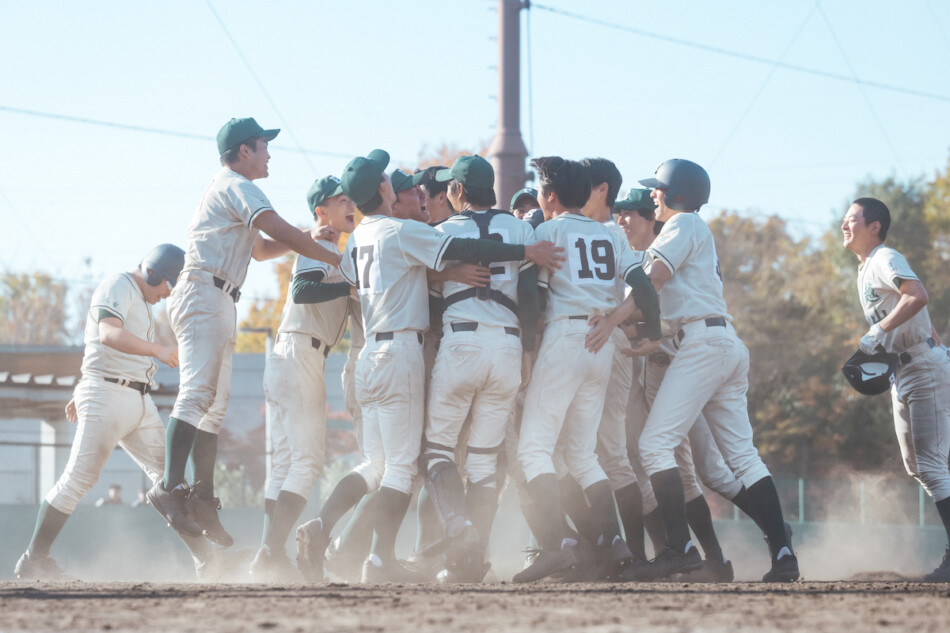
612,433
201,308
111,413
478,363
294,382
386,259
920,393
357,341
709,373
566,392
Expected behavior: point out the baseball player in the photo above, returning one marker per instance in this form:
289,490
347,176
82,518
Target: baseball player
435,199
565,396
895,304
386,259
111,404
523,201
223,237
477,369
294,382
708,374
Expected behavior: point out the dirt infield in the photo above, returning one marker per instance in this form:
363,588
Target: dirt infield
813,607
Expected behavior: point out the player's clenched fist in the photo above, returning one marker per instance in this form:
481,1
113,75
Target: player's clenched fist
545,254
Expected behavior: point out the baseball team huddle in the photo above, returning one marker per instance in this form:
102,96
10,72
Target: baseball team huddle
577,345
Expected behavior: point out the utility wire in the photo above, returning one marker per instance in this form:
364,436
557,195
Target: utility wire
260,84
761,89
867,99
744,56
152,130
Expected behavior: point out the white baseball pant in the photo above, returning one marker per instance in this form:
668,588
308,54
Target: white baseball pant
612,433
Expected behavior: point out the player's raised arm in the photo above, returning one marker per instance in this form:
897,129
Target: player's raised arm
287,237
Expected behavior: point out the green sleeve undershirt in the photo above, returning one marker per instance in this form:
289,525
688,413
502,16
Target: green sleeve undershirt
309,287
644,295
529,308
472,250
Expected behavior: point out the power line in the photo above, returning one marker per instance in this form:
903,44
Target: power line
761,89
260,84
867,99
744,56
152,130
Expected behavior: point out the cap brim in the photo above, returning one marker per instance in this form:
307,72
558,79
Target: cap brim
336,191
380,157
417,178
444,175
270,135
653,183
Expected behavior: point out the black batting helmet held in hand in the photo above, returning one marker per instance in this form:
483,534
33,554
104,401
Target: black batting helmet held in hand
686,184
165,261
871,374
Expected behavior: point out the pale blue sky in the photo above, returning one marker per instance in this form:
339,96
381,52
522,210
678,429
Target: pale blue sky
341,78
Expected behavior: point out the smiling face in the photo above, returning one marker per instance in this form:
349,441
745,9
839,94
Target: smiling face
857,236
663,212
256,159
408,205
639,230
338,212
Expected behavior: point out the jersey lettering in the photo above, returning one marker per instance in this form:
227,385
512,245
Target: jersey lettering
366,268
600,252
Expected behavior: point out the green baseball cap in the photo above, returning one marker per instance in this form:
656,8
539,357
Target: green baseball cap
636,200
473,171
361,177
236,131
527,191
322,190
403,181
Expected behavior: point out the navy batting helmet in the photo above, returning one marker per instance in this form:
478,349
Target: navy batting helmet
871,374
686,184
165,261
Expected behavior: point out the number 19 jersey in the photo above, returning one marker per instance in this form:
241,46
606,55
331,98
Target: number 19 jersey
586,284
386,259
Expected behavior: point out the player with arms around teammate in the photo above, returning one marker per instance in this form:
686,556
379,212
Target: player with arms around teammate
477,369
895,304
111,403
708,374
565,397
386,259
225,233
294,381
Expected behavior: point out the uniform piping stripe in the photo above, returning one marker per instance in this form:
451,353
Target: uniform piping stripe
668,263
250,221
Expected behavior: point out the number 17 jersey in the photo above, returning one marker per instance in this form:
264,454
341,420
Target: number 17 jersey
586,284
386,259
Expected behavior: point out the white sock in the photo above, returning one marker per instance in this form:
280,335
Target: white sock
689,546
782,553
568,542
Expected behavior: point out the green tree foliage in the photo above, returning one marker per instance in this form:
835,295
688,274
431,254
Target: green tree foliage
32,309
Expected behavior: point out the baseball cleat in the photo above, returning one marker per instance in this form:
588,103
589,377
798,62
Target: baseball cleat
623,565
171,505
342,564
942,573
785,569
712,571
311,550
667,563
546,562
205,514
273,567
39,568
393,571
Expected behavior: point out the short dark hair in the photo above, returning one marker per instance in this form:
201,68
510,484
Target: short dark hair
567,178
232,155
476,196
602,170
432,186
874,210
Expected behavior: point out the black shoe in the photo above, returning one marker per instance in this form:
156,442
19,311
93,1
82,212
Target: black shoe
205,514
546,562
391,571
712,571
668,563
784,569
311,550
171,504
273,567
39,568
942,573
622,564
222,564
463,558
